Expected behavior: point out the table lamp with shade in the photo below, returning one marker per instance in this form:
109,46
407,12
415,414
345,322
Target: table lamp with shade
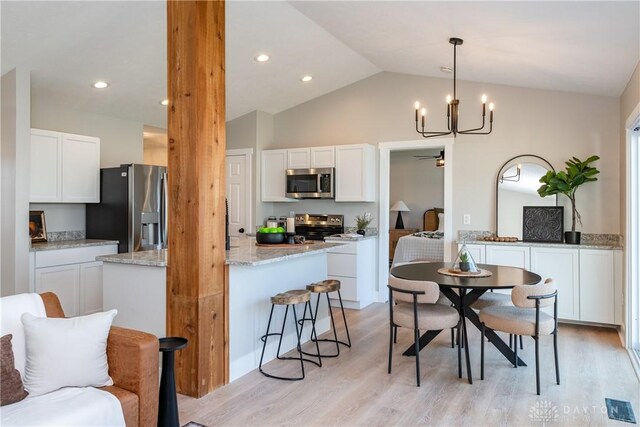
400,207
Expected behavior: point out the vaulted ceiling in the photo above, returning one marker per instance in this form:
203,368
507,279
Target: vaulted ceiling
587,47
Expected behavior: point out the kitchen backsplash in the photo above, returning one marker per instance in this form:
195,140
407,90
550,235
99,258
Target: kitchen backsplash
60,236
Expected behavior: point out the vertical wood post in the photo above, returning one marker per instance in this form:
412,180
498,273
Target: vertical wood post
196,286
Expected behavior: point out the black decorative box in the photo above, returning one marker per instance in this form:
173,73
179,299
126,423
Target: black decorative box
543,224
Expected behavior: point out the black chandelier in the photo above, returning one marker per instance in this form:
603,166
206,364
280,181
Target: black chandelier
452,109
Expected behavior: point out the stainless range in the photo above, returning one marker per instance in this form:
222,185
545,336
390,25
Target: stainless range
319,226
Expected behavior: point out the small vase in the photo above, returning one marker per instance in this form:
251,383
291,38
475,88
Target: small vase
572,237
361,232
464,266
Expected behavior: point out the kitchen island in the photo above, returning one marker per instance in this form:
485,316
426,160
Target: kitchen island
135,285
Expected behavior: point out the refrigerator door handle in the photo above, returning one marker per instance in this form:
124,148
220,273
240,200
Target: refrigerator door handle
163,211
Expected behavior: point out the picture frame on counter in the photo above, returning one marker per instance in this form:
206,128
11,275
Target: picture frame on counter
543,224
37,227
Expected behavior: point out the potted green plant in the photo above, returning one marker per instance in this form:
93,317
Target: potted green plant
464,262
567,182
362,222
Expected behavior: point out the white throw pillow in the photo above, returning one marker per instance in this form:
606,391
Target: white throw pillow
441,222
66,352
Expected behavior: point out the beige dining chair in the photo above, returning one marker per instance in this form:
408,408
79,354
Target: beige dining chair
490,299
525,318
413,305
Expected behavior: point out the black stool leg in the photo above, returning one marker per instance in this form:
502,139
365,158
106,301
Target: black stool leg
515,352
511,341
344,318
459,350
333,324
284,322
298,333
313,333
482,351
395,334
264,338
452,343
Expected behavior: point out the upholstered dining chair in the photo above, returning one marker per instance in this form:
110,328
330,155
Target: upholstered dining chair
525,318
489,299
413,305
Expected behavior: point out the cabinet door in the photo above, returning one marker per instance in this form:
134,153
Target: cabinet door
80,169
273,176
476,251
597,288
510,256
90,287
355,173
62,280
46,161
299,158
323,157
563,266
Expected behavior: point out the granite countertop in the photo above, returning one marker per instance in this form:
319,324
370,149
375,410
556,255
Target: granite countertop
245,254
547,245
67,244
153,258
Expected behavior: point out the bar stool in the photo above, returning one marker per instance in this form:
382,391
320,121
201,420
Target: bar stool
290,298
326,287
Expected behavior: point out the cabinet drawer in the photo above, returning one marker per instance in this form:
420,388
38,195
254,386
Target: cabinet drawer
72,255
348,288
343,265
349,248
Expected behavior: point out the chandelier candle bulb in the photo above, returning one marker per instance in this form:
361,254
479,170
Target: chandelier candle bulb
484,98
448,99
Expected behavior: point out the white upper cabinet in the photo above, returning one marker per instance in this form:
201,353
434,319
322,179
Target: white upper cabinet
273,186
64,167
355,173
46,166
80,169
323,157
299,158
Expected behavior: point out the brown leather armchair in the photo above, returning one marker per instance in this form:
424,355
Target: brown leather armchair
133,366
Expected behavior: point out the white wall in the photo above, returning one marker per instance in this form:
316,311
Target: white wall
14,235
555,125
419,183
62,216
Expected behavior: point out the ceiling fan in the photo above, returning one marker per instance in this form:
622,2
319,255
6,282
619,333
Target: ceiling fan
439,158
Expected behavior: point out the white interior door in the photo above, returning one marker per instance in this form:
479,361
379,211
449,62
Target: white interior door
238,193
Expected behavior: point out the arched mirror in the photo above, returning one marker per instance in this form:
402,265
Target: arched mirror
517,186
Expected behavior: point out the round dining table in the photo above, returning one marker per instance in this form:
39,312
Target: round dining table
462,292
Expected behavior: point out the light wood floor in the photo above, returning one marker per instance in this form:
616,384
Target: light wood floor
355,388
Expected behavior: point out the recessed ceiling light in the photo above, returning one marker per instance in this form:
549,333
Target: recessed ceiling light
100,85
446,69
165,102
306,79
263,57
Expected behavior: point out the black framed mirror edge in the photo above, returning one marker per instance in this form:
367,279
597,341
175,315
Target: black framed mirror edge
500,171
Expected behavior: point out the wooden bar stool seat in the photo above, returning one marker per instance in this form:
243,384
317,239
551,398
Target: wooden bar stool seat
291,298
326,287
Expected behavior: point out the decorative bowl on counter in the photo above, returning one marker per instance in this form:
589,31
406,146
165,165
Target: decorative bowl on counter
269,238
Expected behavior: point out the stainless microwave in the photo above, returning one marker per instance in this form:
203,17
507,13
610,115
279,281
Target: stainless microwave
311,183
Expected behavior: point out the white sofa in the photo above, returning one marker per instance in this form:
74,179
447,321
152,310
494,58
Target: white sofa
69,406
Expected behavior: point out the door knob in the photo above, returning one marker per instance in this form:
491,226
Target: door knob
241,230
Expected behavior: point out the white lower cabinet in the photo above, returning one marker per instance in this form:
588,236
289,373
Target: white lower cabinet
351,264
589,280
563,266
64,281
73,275
597,286
511,256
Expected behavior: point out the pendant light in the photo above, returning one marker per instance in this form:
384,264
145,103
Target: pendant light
453,105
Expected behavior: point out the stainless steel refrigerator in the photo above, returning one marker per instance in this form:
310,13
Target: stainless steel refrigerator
132,208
